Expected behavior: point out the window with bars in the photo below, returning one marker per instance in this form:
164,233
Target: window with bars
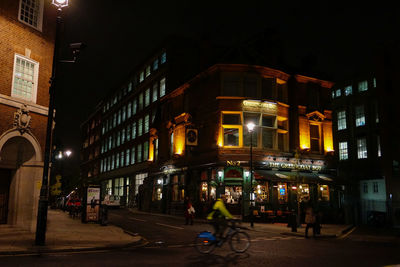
25,78
341,120
360,116
362,148
31,13
343,152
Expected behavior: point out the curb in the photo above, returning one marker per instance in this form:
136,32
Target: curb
37,251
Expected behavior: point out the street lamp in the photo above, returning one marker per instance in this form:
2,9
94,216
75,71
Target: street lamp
250,127
43,198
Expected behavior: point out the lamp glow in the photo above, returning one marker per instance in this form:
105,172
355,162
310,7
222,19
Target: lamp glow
60,3
250,126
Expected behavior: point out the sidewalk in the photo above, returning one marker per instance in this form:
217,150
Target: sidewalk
65,234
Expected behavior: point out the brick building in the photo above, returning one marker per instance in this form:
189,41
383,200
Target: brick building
26,53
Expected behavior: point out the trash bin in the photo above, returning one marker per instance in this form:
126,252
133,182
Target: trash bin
104,215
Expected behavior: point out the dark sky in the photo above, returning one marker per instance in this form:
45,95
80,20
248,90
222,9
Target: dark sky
118,33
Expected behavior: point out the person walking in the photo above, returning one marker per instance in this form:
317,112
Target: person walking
189,211
310,220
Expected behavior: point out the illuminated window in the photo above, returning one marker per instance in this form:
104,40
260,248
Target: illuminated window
162,87
134,130
31,13
324,189
117,161
262,192
362,148
147,97
123,113
155,64
140,126
304,191
155,92
133,155
343,153
141,76
128,132
130,87
146,150
112,162
139,153
315,138
128,156
374,82
341,120
119,187
146,123
378,141
134,106
163,58
363,86
122,158
360,116
123,136
25,78
232,129
348,90
118,138
129,110
148,71
119,117
282,193
254,118
338,92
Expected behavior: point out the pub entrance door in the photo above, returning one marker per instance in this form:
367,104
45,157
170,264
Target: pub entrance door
5,177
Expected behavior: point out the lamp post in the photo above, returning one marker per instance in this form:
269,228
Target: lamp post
43,198
250,127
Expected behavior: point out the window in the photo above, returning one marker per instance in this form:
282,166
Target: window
134,130
314,138
333,94
378,141
133,154
130,87
134,106
341,120
123,113
374,82
139,178
127,154
232,129
129,110
148,71
147,97
250,86
361,148
254,118
338,92
118,138
348,90
119,186
128,133
232,85
365,188
155,92
363,86
163,58
140,126
146,123
343,152
119,117
123,136
141,76
140,101
139,153
360,116
31,13
25,78
112,162
146,150
122,158
162,87
155,64
376,187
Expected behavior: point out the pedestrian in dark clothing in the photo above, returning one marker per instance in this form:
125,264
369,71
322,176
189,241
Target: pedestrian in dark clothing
310,220
189,211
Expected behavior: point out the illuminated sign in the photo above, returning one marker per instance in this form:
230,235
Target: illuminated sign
293,166
251,105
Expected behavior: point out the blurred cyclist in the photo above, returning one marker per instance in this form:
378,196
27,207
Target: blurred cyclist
218,217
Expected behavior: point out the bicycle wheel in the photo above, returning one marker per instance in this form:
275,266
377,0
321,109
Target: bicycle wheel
239,242
204,245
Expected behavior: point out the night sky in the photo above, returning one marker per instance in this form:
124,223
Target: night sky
332,39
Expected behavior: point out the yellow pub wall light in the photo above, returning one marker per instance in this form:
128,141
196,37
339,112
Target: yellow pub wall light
304,133
179,140
328,138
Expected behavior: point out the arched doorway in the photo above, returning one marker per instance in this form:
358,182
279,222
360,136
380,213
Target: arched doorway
20,175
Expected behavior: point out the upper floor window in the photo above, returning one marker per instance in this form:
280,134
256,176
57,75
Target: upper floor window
148,71
361,148
348,90
315,139
338,92
155,64
376,187
343,152
365,187
360,116
363,86
163,58
341,120
25,78
147,97
378,141
155,92
141,76
374,82
162,87
31,13
232,129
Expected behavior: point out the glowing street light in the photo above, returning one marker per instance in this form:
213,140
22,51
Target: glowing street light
60,3
68,153
250,127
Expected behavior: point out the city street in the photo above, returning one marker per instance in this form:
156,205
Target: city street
170,244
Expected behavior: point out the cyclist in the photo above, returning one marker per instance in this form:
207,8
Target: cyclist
218,217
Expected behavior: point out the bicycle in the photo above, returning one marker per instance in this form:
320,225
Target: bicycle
239,240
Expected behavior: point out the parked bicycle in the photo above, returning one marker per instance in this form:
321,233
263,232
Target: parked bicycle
239,240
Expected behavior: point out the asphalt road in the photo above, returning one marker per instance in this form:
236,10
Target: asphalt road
170,244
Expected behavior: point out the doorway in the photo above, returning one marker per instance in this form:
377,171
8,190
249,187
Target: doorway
5,178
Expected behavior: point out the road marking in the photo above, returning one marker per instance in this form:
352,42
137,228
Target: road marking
175,227
348,233
140,220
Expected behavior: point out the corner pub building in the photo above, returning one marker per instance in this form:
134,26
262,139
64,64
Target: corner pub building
196,143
